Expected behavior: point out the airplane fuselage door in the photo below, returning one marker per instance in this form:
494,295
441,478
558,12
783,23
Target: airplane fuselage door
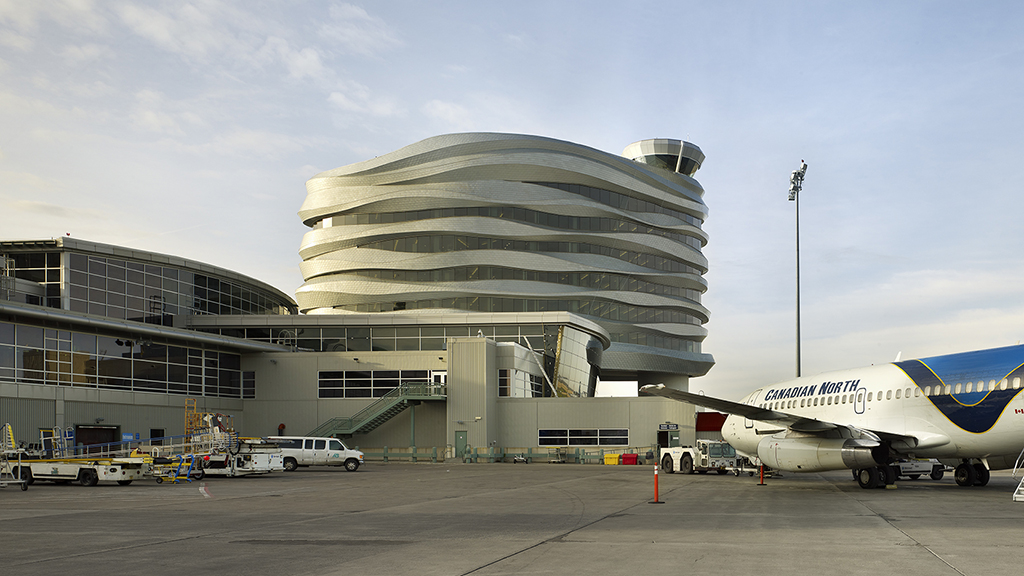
858,401
747,422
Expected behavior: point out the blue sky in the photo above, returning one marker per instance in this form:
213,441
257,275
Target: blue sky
190,129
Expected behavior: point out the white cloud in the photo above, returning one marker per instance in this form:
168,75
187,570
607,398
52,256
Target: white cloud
357,32
15,40
455,116
251,143
149,114
79,54
299,63
184,29
355,97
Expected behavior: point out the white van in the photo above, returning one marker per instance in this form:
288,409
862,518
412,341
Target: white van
307,451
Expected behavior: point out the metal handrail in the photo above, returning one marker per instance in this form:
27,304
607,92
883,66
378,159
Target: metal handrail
1017,465
414,388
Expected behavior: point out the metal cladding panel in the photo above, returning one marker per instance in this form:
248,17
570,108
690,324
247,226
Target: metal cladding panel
521,418
26,416
508,222
472,388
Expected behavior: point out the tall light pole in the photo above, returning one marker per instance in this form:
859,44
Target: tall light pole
796,182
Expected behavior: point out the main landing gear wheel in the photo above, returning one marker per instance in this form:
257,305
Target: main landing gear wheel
965,475
886,476
867,478
666,464
982,474
686,464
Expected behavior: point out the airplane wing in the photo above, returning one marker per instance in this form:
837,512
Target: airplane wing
792,421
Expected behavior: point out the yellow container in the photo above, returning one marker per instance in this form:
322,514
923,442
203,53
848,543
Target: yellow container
611,458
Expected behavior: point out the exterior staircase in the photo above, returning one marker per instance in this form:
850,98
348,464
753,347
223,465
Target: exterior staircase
385,408
1018,494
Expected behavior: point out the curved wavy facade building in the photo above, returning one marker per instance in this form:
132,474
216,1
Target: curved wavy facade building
506,223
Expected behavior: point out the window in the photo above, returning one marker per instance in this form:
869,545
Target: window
888,394
958,387
583,437
970,387
927,390
898,394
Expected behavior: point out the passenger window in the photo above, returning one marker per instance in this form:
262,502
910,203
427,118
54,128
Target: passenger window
309,444
927,390
948,390
815,401
844,398
958,388
860,396
802,402
319,444
888,394
897,394
991,385
829,400
1002,384
970,387
870,394
917,392
1016,383
906,393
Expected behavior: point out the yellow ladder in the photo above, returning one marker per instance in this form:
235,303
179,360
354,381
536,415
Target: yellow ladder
8,438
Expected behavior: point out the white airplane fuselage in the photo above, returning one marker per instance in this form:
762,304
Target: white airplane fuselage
961,406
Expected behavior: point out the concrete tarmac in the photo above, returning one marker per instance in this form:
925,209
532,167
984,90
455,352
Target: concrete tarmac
491,519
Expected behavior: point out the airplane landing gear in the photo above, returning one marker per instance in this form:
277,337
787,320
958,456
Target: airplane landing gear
966,475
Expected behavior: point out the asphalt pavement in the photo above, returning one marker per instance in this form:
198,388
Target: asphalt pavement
491,519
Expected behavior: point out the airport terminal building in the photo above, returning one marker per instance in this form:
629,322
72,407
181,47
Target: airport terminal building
468,290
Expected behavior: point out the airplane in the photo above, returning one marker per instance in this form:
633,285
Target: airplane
964,409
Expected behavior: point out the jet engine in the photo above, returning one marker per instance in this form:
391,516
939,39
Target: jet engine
813,454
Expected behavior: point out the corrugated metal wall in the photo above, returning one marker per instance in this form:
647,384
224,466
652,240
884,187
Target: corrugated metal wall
26,416
128,418
472,389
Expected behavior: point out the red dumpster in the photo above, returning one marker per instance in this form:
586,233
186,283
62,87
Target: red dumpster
628,459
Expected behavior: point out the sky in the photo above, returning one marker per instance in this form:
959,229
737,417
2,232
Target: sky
190,128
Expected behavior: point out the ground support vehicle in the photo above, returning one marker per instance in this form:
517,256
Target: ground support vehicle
10,453
87,471
912,469
707,455
314,451
249,456
178,468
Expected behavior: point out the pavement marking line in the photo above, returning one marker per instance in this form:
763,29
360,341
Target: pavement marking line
561,536
900,530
